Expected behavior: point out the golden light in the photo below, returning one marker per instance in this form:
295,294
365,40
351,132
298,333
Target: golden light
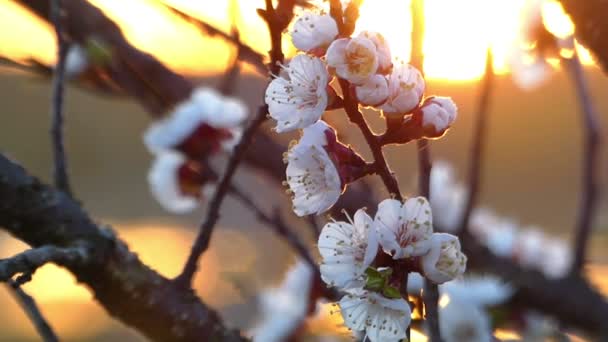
457,32
556,20
506,335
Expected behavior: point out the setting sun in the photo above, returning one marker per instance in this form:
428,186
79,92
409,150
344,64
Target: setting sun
457,33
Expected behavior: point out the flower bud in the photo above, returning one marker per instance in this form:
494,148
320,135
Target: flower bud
438,114
314,32
382,49
373,92
405,89
444,261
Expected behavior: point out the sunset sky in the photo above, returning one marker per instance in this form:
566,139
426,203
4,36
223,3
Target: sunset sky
457,32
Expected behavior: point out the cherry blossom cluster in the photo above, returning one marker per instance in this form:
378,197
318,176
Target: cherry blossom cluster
366,258
319,166
370,258
199,128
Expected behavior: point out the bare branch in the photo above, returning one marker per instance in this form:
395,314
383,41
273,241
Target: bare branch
479,134
32,259
60,172
130,291
277,22
590,176
28,305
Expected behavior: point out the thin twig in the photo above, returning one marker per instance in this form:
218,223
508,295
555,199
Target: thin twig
590,179
276,24
277,224
60,173
479,135
28,305
381,168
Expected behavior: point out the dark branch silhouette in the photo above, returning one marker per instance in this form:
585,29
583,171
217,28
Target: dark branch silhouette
590,175
479,135
28,304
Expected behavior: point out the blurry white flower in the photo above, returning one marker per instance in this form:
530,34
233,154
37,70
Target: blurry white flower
444,261
354,60
313,31
438,114
347,249
177,184
557,259
404,229
299,101
311,175
446,197
529,248
480,291
498,234
373,92
203,124
285,307
382,49
406,87
76,61
382,319
461,321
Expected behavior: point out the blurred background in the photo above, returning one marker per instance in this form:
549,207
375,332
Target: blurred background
531,173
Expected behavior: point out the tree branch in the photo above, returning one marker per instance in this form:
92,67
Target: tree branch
590,176
479,134
60,173
591,26
133,293
32,259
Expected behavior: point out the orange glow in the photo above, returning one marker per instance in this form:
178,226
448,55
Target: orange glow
457,32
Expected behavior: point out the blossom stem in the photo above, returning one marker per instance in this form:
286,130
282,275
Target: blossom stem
590,164
351,106
479,134
277,21
60,174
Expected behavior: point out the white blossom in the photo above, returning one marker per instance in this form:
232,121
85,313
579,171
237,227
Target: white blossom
382,49
444,261
404,229
382,319
447,197
347,249
461,321
557,259
207,111
313,31
498,234
405,87
167,187
282,309
76,61
355,60
312,177
373,92
300,100
438,113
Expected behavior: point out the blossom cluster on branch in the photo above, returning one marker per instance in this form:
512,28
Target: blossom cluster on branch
368,259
